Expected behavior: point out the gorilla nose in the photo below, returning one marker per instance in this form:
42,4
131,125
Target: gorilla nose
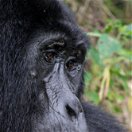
73,108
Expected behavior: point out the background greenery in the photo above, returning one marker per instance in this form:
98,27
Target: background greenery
108,70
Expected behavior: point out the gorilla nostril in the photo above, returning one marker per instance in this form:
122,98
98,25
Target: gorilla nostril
73,110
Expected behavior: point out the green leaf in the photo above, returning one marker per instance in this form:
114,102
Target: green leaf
94,55
107,46
126,53
126,31
87,77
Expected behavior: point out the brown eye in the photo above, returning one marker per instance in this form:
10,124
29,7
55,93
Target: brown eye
71,64
78,53
50,56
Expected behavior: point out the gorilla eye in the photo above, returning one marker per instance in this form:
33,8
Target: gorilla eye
78,54
50,56
71,64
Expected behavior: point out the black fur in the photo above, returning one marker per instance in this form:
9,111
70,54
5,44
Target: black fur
100,121
19,21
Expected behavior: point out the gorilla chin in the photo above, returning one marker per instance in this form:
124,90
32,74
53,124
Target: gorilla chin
42,56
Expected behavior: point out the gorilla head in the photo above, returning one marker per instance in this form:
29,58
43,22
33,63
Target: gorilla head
55,62
41,56
42,53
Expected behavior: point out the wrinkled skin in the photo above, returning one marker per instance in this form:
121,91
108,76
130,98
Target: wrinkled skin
57,68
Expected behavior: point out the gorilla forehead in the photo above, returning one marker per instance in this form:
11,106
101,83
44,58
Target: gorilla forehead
74,39
51,16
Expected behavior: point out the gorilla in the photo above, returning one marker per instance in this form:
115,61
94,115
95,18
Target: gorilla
42,53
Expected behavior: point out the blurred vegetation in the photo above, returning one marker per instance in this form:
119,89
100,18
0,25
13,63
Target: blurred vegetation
108,70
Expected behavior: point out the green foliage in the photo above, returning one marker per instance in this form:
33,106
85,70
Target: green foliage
107,46
110,65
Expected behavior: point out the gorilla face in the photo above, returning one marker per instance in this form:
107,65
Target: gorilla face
56,66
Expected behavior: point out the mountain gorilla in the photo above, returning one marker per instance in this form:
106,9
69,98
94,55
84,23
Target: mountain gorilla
42,53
